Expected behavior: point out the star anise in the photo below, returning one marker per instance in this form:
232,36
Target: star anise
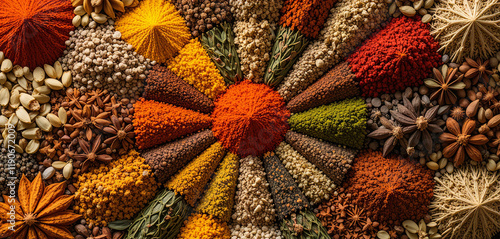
88,118
496,142
414,121
446,86
393,132
91,154
478,69
123,135
462,141
489,96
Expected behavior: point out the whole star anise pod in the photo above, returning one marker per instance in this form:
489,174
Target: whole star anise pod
91,154
420,125
393,132
89,117
445,85
496,142
462,141
123,135
488,96
478,69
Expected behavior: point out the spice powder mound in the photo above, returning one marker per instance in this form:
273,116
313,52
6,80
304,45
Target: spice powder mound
390,189
250,119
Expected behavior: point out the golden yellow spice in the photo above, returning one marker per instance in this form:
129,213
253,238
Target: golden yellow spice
192,179
155,29
194,65
202,226
115,191
218,200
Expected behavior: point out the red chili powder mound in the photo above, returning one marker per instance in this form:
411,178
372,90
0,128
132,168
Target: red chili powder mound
400,55
390,189
33,32
250,119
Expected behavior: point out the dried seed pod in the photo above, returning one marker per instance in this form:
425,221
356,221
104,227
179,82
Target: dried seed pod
38,75
54,120
472,109
32,146
29,102
4,96
67,79
43,123
15,99
54,84
50,71
42,99
63,116
493,122
23,115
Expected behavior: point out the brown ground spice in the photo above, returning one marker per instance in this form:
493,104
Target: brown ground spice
164,86
307,16
169,158
333,160
338,84
390,189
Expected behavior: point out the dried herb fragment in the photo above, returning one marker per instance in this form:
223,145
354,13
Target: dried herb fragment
167,159
303,225
287,49
459,142
164,86
162,218
219,44
41,211
338,84
287,196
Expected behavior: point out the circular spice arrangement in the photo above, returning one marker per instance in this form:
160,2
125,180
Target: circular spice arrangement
232,119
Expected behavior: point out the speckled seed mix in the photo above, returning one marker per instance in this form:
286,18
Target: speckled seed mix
203,15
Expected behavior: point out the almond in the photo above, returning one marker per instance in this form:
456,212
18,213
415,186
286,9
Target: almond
59,69
68,170
59,165
15,99
493,122
54,120
4,96
32,146
42,90
43,123
17,70
45,109
38,74
53,84
42,99
472,109
6,66
23,115
67,79
33,133
63,115
29,102
50,71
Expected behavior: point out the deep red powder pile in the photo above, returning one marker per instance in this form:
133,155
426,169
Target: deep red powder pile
400,55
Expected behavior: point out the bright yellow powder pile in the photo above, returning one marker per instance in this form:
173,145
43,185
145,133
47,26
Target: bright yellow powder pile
202,226
115,191
194,65
155,29
218,200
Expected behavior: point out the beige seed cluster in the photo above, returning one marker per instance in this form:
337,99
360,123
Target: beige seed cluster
254,40
251,231
259,10
348,24
99,59
253,201
315,185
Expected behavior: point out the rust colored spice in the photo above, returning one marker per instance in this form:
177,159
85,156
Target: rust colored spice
307,16
338,84
33,32
169,158
164,86
156,123
400,55
250,119
390,189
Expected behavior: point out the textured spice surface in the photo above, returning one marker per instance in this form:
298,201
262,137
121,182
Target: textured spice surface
389,188
115,191
307,16
342,122
33,32
191,180
287,196
202,226
314,184
164,86
195,67
253,201
332,160
203,15
169,158
250,119
39,211
218,200
156,123
155,29
466,203
400,55
338,84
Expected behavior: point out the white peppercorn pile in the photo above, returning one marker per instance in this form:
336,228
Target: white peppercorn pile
259,10
24,164
251,231
99,59
254,40
347,26
253,201
315,185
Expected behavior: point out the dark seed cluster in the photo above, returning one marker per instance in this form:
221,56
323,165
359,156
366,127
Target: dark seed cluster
333,160
287,196
23,164
164,86
203,15
167,159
